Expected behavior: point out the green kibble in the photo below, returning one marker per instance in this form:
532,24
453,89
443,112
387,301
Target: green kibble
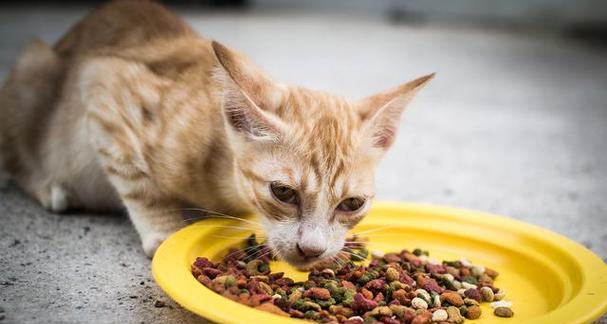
299,305
503,312
332,287
326,303
230,281
463,310
370,320
360,255
420,252
311,315
447,283
348,298
470,280
396,285
455,264
263,267
368,276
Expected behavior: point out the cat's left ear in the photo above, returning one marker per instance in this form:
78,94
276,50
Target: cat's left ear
250,96
381,112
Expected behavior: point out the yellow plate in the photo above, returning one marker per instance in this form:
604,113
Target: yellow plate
549,278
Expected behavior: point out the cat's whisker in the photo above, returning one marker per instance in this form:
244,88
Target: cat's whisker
245,250
211,213
338,261
376,229
257,254
225,226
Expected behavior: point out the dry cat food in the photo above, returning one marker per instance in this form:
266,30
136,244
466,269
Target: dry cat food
403,287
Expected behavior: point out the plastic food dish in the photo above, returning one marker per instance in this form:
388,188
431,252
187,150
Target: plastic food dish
549,278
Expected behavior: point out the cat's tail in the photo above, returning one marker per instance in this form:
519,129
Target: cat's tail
31,87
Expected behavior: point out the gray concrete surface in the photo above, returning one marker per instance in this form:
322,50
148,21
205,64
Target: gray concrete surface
514,124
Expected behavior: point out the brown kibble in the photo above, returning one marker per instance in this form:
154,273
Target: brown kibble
391,257
295,296
454,315
503,312
474,312
487,294
348,285
452,298
398,310
491,273
295,313
379,311
269,307
366,293
265,288
424,317
470,302
485,280
401,296
318,293
453,271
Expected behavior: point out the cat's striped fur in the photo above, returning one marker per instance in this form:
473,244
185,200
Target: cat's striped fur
132,108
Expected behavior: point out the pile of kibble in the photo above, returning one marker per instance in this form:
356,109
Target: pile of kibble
404,287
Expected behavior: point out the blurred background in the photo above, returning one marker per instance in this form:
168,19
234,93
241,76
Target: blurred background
515,123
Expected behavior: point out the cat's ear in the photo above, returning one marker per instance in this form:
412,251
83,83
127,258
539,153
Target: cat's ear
250,97
381,112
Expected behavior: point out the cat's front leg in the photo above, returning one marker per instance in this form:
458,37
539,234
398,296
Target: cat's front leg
154,214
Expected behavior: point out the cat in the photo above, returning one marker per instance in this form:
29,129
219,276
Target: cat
133,109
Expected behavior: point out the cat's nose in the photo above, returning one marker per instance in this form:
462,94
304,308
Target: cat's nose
310,251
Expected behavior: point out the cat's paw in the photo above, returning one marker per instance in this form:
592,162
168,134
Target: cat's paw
60,201
152,241
55,198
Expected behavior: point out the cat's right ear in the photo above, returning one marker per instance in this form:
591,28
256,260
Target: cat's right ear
250,97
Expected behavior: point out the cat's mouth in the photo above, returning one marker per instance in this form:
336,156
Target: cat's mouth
305,263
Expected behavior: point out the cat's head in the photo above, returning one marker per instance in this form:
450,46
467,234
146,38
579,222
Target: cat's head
306,160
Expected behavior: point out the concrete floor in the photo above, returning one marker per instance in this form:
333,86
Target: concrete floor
515,123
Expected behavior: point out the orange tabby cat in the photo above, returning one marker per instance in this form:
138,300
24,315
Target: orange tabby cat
132,108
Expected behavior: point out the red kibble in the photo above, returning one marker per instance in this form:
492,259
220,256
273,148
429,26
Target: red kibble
362,304
435,268
203,263
376,285
211,273
429,284
473,294
406,279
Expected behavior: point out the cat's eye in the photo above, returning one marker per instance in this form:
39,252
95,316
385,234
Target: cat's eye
351,204
283,193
